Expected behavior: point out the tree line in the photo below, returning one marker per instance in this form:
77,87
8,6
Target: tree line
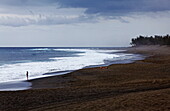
152,40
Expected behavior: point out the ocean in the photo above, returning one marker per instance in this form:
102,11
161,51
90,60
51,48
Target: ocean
49,61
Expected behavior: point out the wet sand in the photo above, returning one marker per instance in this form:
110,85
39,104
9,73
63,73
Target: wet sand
140,86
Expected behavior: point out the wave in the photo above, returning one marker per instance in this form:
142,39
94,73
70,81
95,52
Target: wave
72,50
84,50
39,49
10,72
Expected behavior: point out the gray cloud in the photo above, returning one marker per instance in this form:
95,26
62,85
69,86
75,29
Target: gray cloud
102,7
117,7
24,20
52,12
28,2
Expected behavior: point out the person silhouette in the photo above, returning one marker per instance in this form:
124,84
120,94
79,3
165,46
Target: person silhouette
27,75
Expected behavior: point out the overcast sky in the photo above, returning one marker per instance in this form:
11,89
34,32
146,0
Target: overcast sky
81,23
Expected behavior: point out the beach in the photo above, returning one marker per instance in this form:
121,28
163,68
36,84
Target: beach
143,85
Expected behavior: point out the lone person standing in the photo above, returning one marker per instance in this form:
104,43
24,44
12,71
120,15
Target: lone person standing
27,75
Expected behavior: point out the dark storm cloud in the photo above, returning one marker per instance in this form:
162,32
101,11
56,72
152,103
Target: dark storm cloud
48,12
102,7
27,2
117,7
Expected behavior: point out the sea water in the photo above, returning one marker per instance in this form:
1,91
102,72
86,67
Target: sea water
43,62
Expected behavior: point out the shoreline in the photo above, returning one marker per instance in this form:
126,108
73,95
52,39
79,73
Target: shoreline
142,85
27,85
60,79
146,52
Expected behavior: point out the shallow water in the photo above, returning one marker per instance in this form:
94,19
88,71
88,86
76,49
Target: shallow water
44,62
15,86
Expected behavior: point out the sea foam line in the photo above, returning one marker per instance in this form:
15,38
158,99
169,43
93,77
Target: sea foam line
37,69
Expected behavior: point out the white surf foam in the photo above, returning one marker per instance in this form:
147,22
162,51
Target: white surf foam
15,72
110,51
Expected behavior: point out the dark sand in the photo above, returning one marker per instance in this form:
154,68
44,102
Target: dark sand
140,86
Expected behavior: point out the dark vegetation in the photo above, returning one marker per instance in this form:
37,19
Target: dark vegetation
152,40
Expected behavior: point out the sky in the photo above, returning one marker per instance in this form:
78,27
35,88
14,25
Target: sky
80,23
